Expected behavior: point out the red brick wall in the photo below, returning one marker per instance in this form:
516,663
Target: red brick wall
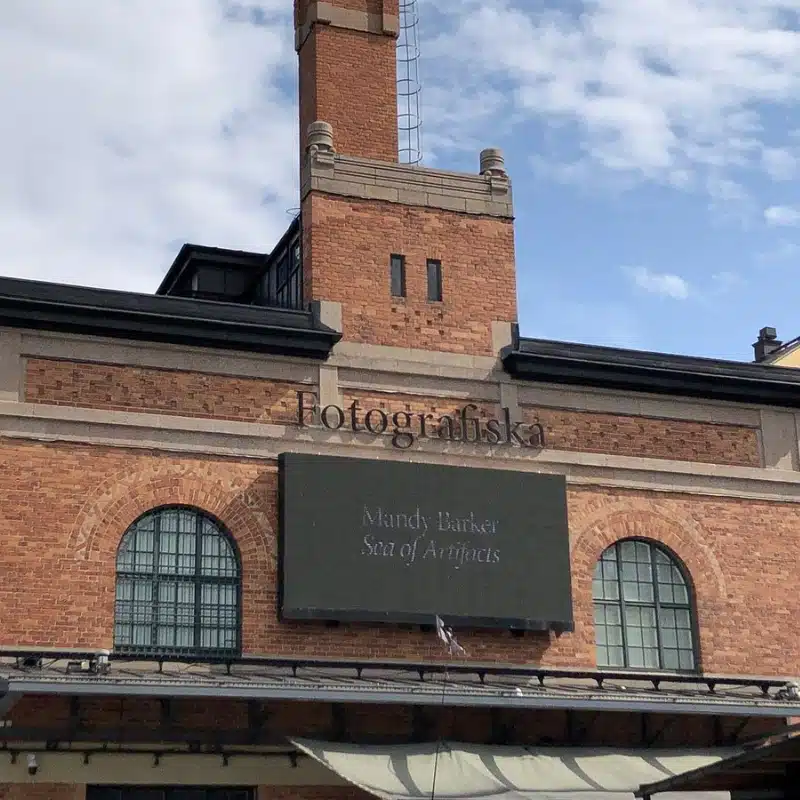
162,391
194,394
67,506
60,791
312,793
347,247
622,435
589,432
140,717
42,791
348,78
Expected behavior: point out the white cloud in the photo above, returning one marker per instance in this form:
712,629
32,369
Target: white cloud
783,251
780,163
664,89
131,126
661,283
782,216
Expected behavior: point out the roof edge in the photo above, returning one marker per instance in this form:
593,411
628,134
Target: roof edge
420,696
36,305
654,373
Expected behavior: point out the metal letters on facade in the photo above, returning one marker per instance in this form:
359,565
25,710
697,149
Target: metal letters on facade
406,427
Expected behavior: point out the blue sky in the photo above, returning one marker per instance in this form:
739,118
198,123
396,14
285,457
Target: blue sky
654,148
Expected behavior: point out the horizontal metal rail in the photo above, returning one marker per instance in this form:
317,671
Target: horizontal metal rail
28,659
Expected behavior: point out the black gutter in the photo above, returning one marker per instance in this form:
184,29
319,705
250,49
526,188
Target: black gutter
82,310
657,373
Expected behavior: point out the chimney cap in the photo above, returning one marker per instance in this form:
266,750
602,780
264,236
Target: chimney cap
767,344
767,334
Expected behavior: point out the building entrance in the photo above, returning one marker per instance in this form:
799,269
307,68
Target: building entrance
167,793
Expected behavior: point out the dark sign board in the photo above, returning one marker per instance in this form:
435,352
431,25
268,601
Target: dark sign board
390,541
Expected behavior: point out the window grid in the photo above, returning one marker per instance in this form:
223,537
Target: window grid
177,587
642,609
397,275
282,283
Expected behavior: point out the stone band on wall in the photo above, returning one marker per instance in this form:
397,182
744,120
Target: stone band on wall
321,13
265,441
365,179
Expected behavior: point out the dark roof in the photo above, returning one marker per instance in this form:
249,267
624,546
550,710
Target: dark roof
190,254
659,373
220,256
773,766
128,315
400,682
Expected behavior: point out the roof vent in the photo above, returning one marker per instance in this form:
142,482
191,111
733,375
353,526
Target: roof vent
767,344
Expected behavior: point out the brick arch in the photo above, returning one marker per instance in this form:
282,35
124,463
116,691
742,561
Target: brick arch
125,495
630,518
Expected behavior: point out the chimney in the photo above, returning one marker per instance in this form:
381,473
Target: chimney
347,52
767,344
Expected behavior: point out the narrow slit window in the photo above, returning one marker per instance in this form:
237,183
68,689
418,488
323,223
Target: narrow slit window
434,280
397,272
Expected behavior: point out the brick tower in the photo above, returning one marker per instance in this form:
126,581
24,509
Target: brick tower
414,257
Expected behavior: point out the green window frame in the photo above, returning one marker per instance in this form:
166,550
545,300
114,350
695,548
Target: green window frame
643,609
178,587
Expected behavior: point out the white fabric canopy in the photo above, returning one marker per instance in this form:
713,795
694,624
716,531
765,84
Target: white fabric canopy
456,771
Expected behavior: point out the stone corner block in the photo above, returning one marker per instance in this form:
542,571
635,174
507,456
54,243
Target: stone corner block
502,335
328,313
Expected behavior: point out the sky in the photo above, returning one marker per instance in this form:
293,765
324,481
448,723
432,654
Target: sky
653,146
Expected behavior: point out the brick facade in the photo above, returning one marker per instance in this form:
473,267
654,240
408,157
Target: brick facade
56,791
71,504
192,394
160,391
42,791
626,435
591,432
332,57
72,483
312,793
348,244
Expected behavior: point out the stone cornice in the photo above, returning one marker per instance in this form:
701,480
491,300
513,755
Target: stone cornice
321,13
366,179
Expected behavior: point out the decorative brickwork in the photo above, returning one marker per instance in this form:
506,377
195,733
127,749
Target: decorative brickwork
194,394
186,394
623,435
587,432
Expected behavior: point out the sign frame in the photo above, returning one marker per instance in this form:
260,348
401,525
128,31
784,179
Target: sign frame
533,622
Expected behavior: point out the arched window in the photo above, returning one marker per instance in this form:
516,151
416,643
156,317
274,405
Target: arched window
178,587
643,609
